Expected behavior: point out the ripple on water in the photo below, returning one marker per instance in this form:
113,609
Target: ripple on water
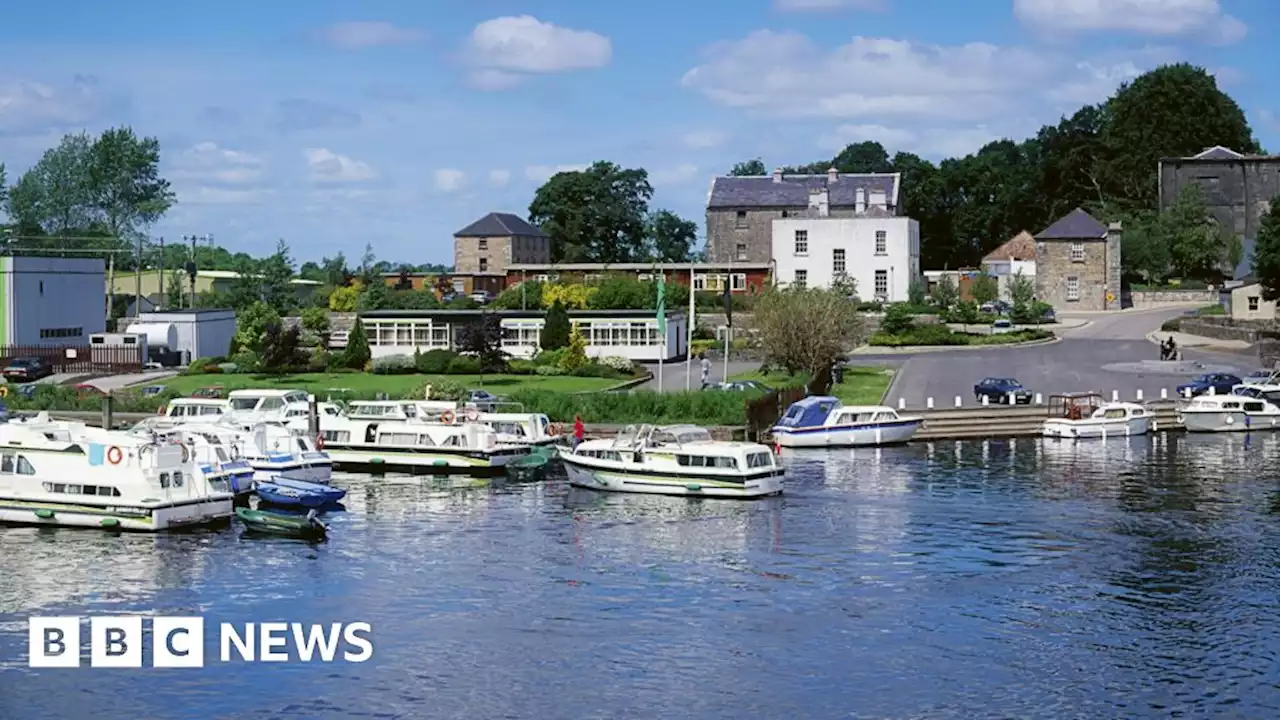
945,580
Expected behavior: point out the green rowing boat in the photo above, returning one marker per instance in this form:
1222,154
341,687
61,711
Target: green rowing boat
299,526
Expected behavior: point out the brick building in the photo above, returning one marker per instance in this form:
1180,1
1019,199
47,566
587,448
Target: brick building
495,241
741,210
1078,263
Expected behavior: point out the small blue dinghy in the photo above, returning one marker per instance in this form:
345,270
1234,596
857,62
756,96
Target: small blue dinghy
287,492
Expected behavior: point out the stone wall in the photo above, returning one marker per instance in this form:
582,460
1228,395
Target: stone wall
1162,297
1225,328
1054,265
1237,192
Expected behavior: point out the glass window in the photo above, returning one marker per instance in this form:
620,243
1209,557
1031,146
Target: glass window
1077,252
882,283
6,463
164,480
882,242
177,479
802,242
1073,288
24,466
837,262
802,278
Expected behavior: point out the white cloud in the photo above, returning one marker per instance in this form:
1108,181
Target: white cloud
824,5
499,178
786,74
32,108
207,161
678,175
359,34
928,142
449,180
329,167
704,139
504,49
1164,18
542,173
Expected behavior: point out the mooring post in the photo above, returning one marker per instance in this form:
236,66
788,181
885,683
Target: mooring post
958,401
928,402
902,404
1115,396
1139,395
1164,393
986,401
313,417
1039,399
108,408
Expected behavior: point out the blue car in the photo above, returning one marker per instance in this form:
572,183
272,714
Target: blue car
1001,390
1221,383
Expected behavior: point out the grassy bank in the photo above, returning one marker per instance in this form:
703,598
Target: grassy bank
365,385
863,385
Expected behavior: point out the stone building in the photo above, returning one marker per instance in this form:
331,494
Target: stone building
741,210
1078,263
1238,188
495,241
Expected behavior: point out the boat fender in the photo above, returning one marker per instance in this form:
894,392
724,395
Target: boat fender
446,417
4,391
186,453
1230,420
319,441
114,455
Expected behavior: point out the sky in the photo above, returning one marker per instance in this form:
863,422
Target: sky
333,124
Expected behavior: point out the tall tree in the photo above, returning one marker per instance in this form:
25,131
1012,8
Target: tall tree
671,237
594,215
863,157
125,188
1172,111
276,278
246,288
754,166
4,188
55,194
1197,249
1266,252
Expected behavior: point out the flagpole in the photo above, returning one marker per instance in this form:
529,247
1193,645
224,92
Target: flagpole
690,321
728,331
662,324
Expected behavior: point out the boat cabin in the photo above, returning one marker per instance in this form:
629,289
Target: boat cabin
1217,403
264,401
192,407
1074,406
823,410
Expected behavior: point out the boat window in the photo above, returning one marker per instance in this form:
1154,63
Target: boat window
336,435
394,438
73,489
244,403
88,489
886,415
454,441
1231,406
1253,407
295,397
1113,413
611,455
425,439
210,410
6,463
218,485
302,445
108,491
177,479
1138,412
759,459
795,412
222,456
164,480
331,411
694,435
272,404
724,462
409,410
24,466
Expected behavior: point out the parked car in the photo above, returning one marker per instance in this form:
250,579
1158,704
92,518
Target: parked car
1001,390
27,369
997,307
1001,326
484,400
1221,383
482,297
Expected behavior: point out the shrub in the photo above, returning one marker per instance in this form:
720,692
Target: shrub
897,320
644,406
575,355
394,365
434,362
464,365
246,361
617,362
702,332
521,367
442,390
549,357
357,352
1171,325
548,370
920,335
869,307
556,329
597,370
698,347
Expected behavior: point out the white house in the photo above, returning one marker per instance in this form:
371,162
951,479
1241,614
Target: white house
632,334
1016,256
879,251
1245,301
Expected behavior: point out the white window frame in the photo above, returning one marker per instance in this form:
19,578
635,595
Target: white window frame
802,279
1077,252
1073,288
882,242
881,285
739,281
802,242
740,221
740,252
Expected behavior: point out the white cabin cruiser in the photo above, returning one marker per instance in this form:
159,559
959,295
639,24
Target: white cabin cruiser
1265,387
823,421
674,460
268,449
513,428
1229,413
361,444
1085,415
54,475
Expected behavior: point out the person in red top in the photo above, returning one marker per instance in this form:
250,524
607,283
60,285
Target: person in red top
578,431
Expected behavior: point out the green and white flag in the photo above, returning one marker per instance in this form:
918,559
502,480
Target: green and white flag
662,305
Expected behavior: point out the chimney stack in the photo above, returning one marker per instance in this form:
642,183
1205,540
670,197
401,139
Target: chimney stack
777,175
832,176
860,200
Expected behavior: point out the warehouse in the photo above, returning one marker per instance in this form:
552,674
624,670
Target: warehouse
50,301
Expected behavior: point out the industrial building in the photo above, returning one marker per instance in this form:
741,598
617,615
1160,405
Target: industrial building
190,333
51,301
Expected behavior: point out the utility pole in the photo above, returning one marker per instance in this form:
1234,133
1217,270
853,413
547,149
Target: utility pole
161,301
137,280
191,264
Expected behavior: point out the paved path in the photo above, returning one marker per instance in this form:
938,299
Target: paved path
118,382
1075,364
674,375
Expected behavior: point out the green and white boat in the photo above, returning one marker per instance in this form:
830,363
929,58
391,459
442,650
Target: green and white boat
674,460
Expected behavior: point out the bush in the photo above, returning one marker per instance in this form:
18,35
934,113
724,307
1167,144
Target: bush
644,406
597,370
898,319
702,332
1171,325
920,335
394,365
464,365
246,361
698,347
434,362
443,390
869,307
549,357
617,362
1212,310
548,370
521,367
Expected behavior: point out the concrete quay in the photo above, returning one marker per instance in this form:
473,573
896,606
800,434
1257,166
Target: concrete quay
976,423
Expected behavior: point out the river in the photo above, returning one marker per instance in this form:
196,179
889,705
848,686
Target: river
1127,578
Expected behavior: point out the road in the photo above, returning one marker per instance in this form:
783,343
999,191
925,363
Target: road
674,375
1073,364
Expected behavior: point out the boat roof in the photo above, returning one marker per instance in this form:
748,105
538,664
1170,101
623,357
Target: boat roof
814,400
261,392
197,401
867,408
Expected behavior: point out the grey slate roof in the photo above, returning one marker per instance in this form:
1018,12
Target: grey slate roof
497,224
1075,225
760,191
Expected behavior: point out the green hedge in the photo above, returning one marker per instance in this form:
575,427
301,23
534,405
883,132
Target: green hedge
62,397
701,407
936,335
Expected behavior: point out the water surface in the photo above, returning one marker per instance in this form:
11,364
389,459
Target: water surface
1129,578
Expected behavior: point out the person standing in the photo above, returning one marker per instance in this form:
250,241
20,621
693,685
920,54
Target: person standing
705,364
579,431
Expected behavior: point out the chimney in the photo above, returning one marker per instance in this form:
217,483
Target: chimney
777,175
832,176
860,201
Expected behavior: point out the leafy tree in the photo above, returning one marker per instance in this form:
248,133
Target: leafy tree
412,300
252,325
845,285
594,215
984,289
575,296
124,184
1144,249
831,328
1022,295
915,293
316,321
863,157
246,288
356,355
375,297
344,299
404,282
174,291
1197,248
945,294
484,339
754,166
619,292
4,188
897,320
671,237
556,329
275,276
1266,253
575,355
54,194
526,295
966,313
282,350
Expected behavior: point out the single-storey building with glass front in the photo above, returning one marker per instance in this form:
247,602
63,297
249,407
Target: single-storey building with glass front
632,334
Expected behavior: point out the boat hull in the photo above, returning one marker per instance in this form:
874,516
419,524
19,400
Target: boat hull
476,462
622,480
1226,421
314,471
139,518
864,435
1091,429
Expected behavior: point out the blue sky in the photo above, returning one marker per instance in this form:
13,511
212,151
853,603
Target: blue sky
331,124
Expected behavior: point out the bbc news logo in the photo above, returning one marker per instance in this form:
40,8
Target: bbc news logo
179,642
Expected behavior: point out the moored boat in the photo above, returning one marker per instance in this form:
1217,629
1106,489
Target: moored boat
1085,415
823,421
1229,413
300,526
674,460
287,491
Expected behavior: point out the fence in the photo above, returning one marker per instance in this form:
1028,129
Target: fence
763,412
79,358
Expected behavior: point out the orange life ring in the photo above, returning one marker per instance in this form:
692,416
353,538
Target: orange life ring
447,417
114,455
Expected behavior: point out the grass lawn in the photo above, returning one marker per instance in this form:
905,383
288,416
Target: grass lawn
863,385
366,384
